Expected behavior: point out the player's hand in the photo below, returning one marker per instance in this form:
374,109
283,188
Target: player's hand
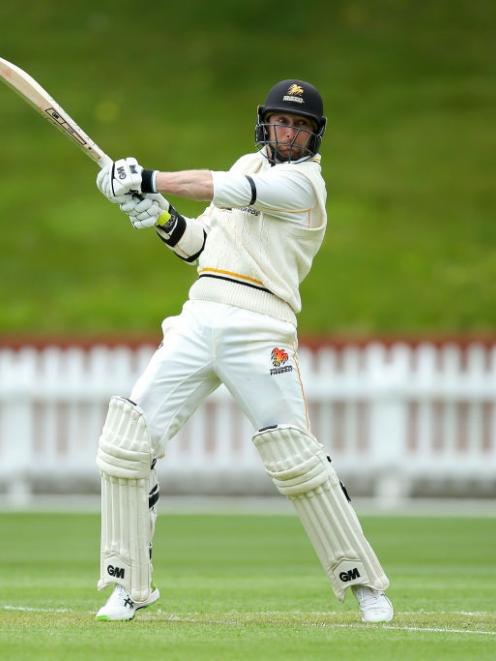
104,183
126,176
119,178
145,211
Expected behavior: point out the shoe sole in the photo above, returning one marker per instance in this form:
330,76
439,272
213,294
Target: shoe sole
381,621
154,597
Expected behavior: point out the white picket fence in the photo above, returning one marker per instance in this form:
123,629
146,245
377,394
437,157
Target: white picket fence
390,416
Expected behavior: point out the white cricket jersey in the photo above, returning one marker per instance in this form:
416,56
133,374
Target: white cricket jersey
264,227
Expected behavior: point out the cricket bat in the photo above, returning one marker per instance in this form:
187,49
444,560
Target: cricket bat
32,92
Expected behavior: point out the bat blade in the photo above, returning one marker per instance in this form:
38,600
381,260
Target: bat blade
32,92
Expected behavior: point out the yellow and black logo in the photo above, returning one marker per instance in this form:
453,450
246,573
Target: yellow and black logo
295,90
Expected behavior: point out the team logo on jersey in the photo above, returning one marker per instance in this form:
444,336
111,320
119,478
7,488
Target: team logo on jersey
278,358
251,210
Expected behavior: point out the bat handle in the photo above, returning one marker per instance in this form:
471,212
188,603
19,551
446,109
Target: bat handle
104,160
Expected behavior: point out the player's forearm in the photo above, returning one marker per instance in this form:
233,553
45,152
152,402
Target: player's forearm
191,184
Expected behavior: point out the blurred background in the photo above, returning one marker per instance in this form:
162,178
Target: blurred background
398,322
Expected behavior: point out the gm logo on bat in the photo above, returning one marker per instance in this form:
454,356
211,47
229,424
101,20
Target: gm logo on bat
61,123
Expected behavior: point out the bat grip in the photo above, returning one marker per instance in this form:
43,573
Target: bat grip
104,160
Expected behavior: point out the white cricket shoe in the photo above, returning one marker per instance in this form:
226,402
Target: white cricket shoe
374,605
121,607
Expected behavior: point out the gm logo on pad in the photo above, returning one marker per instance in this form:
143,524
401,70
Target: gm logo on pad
349,575
117,572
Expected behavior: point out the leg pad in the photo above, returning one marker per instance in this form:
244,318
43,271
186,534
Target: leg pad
299,468
124,459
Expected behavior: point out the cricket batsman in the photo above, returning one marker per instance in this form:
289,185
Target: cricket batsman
252,246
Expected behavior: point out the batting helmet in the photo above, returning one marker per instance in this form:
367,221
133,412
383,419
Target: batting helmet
298,98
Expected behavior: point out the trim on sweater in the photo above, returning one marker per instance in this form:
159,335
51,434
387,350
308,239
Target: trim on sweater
253,189
223,277
241,295
236,277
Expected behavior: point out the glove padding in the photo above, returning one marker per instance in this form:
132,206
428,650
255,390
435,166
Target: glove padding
144,211
119,178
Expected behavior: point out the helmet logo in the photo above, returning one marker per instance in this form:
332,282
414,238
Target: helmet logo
294,94
295,89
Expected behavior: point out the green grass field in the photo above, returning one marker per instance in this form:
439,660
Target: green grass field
408,155
247,588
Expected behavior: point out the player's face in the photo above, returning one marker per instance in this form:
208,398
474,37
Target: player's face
289,134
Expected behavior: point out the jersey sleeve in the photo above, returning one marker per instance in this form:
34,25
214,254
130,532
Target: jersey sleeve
280,189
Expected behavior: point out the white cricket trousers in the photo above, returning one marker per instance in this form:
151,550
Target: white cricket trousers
254,355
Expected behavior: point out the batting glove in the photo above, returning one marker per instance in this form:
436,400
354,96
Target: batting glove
104,183
145,211
119,178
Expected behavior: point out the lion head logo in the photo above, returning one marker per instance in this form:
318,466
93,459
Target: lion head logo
295,90
278,356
